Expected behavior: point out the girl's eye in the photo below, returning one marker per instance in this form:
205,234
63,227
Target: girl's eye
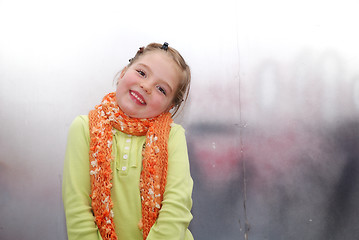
161,90
142,73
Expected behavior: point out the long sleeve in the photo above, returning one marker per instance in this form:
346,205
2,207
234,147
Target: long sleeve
76,184
175,216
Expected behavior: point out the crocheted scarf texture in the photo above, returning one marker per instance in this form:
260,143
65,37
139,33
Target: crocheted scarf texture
102,121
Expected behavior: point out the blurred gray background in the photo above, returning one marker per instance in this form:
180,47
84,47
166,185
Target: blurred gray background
272,121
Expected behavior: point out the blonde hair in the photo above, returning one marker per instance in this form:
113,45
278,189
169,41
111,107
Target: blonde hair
182,92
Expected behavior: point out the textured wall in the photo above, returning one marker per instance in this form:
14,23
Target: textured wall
272,121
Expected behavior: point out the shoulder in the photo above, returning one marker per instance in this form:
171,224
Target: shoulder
176,129
80,120
79,127
177,138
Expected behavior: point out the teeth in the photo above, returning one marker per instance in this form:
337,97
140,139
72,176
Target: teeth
137,97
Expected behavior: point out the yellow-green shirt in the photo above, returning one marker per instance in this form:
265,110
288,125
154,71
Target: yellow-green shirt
174,216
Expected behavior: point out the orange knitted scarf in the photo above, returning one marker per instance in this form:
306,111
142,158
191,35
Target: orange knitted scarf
102,120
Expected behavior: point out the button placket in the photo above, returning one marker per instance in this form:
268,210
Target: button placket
125,156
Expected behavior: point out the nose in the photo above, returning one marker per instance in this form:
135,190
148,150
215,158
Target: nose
146,86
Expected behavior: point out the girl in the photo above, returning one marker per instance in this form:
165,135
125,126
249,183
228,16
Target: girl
126,172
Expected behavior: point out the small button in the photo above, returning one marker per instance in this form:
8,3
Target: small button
124,168
125,156
127,147
128,140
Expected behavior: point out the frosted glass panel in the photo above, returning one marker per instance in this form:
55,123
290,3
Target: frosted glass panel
272,120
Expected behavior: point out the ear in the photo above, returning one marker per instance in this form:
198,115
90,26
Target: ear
123,71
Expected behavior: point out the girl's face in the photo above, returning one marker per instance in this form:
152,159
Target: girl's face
147,88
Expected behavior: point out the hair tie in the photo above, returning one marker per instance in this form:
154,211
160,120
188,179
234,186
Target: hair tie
165,46
141,49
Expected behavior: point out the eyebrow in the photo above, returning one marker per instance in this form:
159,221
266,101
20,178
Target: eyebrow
161,80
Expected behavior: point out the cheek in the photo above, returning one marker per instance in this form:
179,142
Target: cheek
158,102
127,80
118,89
165,105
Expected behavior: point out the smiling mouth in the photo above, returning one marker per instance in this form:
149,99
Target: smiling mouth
138,98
